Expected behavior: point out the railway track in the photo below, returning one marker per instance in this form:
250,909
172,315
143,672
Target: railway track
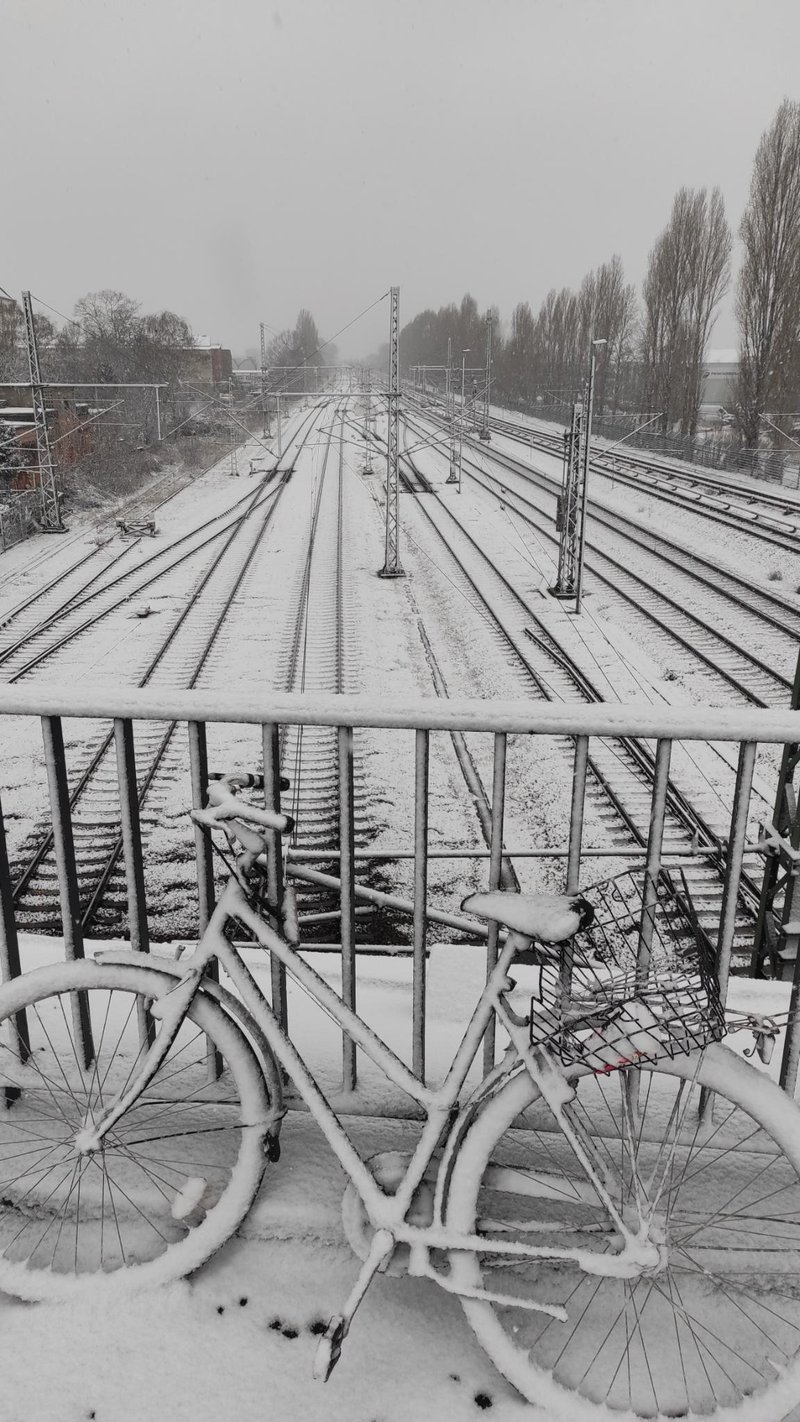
710,613
620,783
697,635
178,662
776,522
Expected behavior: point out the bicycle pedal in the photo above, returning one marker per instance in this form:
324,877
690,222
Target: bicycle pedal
329,1349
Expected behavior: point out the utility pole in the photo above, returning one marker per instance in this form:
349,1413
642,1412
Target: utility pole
587,444
485,433
567,512
392,567
368,469
464,355
264,404
234,434
278,421
51,499
450,409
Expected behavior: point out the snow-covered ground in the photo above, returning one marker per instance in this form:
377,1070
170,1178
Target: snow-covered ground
238,1339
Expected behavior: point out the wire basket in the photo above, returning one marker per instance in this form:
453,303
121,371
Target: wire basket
639,984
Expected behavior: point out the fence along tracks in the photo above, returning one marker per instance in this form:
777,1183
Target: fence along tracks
178,662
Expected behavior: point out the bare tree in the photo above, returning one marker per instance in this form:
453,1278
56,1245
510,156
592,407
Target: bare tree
768,294
709,257
687,275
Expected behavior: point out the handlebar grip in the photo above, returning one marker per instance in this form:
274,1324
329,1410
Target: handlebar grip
245,780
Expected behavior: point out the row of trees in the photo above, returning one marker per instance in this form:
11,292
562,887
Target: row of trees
294,352
107,339
652,362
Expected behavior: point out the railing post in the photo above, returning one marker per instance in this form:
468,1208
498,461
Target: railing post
495,867
421,767
347,902
64,846
655,840
131,836
579,768
576,815
733,862
9,946
270,744
198,769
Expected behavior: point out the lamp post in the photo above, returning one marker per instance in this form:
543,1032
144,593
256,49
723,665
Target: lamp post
586,454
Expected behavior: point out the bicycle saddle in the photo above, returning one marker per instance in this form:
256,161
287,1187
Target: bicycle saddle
549,918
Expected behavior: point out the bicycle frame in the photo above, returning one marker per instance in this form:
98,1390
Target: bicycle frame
442,1114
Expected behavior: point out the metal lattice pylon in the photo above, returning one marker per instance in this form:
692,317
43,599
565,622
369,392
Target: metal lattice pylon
567,517
485,432
51,499
392,567
264,406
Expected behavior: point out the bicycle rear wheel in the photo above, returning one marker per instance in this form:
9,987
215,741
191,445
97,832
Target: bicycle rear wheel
715,1329
176,1174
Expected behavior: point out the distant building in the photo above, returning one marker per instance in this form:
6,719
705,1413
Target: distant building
207,364
720,374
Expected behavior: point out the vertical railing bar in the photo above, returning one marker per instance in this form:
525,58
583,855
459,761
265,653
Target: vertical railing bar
69,895
347,903
421,768
131,835
579,769
10,966
270,744
198,770
733,862
655,839
132,855
495,868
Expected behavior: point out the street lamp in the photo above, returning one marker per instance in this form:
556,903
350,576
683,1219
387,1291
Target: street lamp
586,452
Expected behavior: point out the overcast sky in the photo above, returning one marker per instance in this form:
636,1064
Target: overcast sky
236,161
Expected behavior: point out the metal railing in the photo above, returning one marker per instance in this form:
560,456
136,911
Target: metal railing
426,718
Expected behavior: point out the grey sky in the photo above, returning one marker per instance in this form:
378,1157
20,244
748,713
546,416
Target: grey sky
236,161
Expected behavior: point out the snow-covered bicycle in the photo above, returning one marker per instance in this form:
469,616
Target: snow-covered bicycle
616,1204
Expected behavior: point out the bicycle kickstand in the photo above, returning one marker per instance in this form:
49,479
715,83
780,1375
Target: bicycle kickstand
329,1347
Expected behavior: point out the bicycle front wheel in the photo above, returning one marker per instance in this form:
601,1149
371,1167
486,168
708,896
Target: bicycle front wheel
714,1328
176,1174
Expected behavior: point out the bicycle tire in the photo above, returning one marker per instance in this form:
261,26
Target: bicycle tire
127,1213
721,1345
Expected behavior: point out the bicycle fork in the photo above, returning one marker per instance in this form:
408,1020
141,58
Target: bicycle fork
171,1011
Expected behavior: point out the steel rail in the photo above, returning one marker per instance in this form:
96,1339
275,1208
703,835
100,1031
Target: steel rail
155,557
783,684
687,815
24,881
745,522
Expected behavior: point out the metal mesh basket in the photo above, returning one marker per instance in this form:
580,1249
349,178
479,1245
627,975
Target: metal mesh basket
638,984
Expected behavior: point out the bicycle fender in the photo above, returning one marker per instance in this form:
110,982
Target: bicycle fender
231,1005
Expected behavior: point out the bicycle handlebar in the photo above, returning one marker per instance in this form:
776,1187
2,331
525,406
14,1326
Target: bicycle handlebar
245,780
223,804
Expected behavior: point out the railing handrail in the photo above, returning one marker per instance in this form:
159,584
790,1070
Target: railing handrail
414,713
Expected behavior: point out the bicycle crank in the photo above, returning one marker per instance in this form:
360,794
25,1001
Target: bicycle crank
389,1168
